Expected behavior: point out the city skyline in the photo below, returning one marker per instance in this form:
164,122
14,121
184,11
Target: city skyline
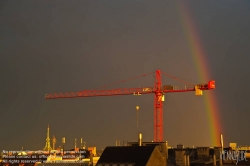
69,46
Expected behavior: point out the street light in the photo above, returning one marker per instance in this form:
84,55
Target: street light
137,109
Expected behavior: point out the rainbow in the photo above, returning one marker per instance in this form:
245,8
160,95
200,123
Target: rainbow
199,58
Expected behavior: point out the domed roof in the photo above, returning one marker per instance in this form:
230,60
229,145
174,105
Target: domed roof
22,153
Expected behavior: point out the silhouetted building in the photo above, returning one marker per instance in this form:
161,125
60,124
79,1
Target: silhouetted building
132,156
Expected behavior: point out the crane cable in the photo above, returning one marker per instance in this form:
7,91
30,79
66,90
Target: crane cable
133,78
119,82
178,79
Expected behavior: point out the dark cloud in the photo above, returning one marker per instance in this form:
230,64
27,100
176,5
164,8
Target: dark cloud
64,45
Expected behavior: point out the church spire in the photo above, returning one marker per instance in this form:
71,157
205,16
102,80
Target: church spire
47,145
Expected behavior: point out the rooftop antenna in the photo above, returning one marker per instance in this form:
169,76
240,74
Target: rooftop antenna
63,143
84,145
81,143
54,142
222,150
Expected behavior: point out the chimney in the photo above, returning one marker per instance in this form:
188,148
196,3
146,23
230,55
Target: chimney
140,139
221,141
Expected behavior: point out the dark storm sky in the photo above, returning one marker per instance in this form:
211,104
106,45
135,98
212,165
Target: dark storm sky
61,45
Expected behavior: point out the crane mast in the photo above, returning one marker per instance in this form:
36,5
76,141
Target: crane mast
158,129
158,90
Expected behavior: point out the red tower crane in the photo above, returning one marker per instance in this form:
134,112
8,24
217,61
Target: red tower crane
158,90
